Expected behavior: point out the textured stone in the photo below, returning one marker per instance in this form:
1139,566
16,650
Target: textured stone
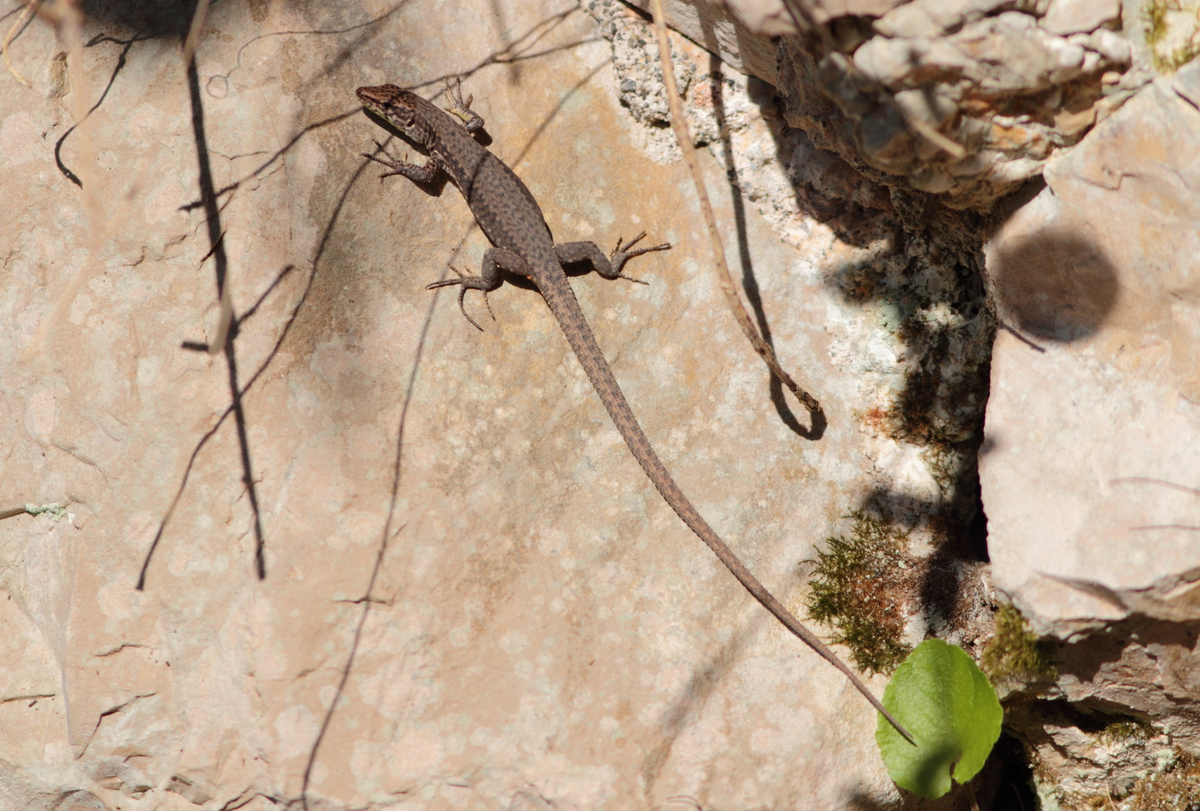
739,33
768,18
1089,465
825,10
1111,47
1019,92
929,18
1020,88
1010,54
541,629
1099,271
1187,82
1071,16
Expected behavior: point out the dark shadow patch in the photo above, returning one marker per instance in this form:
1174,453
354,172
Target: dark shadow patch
1054,285
1005,783
1087,654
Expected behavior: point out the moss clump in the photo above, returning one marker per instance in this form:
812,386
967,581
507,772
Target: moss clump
1155,14
1159,15
1124,731
858,586
1015,653
1176,789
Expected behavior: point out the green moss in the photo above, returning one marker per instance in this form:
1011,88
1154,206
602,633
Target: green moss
54,512
1155,14
1175,789
1159,15
857,588
1124,731
1014,653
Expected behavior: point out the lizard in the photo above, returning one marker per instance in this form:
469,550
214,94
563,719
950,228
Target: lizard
522,243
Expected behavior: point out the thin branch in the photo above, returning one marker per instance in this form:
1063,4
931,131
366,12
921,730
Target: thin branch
724,278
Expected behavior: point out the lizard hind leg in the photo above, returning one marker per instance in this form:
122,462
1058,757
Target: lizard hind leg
620,256
608,267
466,283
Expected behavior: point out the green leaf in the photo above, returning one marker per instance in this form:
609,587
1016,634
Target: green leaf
950,708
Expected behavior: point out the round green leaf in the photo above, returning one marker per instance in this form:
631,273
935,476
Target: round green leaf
947,704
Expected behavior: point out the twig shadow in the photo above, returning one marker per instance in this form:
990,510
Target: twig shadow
238,392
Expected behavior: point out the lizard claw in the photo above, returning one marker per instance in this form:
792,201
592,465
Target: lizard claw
617,249
455,94
392,161
620,255
463,285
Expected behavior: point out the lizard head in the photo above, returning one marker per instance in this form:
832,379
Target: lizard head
394,105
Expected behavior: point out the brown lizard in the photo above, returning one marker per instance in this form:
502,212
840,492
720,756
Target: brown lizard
513,222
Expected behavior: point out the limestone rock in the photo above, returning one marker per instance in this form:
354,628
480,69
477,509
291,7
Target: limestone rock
1073,16
1098,272
964,99
929,18
739,33
1090,463
1008,91
517,621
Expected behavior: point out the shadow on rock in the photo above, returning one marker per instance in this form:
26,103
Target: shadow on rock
1054,285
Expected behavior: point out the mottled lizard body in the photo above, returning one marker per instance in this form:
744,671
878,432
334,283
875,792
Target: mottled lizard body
513,222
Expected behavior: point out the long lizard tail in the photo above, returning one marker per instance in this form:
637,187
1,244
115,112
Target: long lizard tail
563,304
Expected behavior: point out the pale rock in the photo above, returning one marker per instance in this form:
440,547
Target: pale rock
1187,82
1115,49
1099,271
1011,54
1073,16
988,55
540,628
1089,465
826,10
891,61
739,32
908,63
933,106
1004,54
768,18
929,18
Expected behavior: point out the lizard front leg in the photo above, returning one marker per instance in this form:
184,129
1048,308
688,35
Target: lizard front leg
495,260
421,173
609,267
471,120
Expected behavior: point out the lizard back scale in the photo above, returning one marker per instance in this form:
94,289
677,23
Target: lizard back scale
512,220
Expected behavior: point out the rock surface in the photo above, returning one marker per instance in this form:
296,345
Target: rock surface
1087,489
519,621
964,99
1090,463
